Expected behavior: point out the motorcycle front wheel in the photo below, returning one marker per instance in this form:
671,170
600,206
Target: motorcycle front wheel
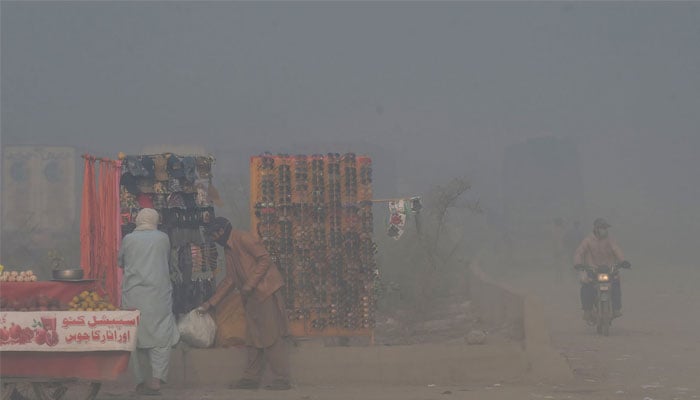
603,327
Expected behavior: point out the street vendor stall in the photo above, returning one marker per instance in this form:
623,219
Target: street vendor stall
60,339
51,347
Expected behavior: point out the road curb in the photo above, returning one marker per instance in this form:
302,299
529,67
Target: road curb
316,364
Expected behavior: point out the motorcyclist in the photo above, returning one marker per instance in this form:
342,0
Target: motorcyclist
595,250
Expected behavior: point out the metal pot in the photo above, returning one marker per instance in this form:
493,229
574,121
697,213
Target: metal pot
67,274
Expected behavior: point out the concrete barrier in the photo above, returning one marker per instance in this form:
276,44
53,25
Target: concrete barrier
497,304
315,364
502,306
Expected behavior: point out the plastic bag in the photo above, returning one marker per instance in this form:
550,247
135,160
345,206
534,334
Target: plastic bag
197,329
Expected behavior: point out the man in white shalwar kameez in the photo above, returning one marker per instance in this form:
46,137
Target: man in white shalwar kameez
146,287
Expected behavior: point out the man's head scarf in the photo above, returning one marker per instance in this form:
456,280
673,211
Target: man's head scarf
216,225
147,220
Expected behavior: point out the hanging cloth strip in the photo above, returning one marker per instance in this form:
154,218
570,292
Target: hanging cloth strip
87,219
109,208
116,176
101,226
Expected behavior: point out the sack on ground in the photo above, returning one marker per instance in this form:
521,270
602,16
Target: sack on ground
197,329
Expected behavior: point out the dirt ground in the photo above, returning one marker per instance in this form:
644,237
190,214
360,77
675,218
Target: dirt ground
653,351
496,391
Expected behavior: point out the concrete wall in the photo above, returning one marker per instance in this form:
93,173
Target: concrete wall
39,188
502,306
40,206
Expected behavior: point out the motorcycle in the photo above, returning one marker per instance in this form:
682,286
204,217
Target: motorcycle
603,277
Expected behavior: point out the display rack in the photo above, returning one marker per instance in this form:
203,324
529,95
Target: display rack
178,188
314,215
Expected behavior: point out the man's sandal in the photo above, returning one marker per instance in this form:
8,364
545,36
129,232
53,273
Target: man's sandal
278,384
245,383
144,390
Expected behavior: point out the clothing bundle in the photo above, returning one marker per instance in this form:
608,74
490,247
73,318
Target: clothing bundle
178,188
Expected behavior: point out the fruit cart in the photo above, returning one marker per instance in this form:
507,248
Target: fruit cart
61,340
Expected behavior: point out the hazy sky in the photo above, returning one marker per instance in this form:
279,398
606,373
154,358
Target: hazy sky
442,86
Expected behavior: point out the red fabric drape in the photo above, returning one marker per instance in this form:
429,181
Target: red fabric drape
100,245
61,291
87,219
117,173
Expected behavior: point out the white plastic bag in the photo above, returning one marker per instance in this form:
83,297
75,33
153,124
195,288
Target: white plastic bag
197,329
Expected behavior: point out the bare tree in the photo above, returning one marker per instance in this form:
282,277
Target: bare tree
442,200
433,249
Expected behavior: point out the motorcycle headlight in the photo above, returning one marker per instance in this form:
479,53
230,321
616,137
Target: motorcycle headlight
603,277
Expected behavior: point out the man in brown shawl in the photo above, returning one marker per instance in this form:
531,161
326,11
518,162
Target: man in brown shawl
250,269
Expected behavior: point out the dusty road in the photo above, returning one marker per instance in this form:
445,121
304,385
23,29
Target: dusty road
654,349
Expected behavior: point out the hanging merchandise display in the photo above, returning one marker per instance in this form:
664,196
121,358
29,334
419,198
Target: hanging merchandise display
179,188
314,215
398,213
397,218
